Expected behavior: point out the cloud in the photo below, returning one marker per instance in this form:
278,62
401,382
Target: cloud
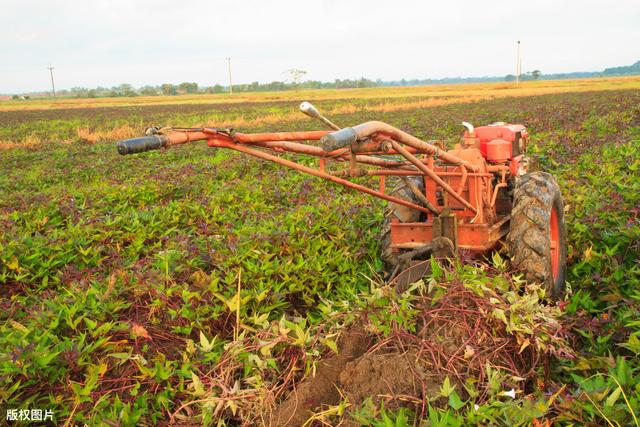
111,42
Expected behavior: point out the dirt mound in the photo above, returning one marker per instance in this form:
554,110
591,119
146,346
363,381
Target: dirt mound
387,375
320,389
457,334
391,376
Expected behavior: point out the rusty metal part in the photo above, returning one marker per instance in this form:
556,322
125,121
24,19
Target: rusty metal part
417,163
498,186
176,137
293,165
408,270
446,226
441,247
404,171
463,181
286,137
377,146
283,140
497,168
420,195
416,271
312,150
473,237
183,137
495,192
380,128
279,136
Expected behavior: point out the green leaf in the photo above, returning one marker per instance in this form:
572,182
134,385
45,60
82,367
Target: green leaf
121,356
91,324
43,361
205,343
446,389
623,373
498,313
613,397
436,270
197,385
331,344
454,401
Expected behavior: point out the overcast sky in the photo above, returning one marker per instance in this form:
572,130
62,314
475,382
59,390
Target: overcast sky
91,42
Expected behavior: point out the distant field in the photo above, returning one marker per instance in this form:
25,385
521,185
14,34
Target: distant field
460,92
31,123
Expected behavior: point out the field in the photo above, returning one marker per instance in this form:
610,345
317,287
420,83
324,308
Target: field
198,286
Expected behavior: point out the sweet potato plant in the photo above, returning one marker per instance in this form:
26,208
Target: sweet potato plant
195,285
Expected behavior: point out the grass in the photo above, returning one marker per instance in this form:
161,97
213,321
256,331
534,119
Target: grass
197,281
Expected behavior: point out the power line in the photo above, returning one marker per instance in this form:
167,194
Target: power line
229,69
53,85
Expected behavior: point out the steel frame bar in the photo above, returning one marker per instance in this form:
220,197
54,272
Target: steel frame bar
431,174
376,128
293,165
378,137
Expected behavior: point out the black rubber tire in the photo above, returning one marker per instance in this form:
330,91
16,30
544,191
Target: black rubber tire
404,214
529,240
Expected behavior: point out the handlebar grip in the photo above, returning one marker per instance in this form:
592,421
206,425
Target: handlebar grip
338,139
140,145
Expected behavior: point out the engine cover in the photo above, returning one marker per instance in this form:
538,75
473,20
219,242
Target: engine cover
498,151
497,135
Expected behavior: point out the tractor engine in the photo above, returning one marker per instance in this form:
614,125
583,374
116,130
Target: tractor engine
501,142
497,152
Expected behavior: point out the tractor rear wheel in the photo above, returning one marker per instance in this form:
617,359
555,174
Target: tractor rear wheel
403,214
537,238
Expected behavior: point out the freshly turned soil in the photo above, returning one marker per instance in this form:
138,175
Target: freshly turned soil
322,389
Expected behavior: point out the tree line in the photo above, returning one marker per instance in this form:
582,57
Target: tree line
127,90
294,82
168,89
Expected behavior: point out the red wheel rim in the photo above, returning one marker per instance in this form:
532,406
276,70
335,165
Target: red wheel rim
554,232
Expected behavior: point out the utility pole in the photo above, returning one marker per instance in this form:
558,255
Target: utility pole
518,64
53,86
229,69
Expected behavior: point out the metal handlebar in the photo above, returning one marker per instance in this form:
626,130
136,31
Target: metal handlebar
140,145
338,139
